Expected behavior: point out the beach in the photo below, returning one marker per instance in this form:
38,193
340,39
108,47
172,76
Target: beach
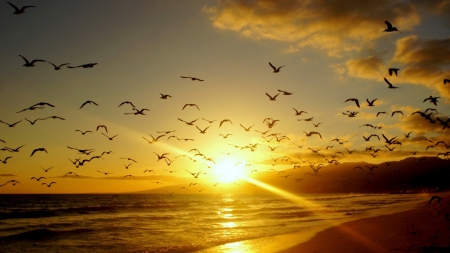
409,227
425,228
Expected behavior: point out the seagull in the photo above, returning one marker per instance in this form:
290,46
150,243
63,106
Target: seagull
38,149
88,102
83,133
59,66
54,117
21,10
393,70
297,113
192,78
110,138
439,199
190,105
286,93
202,131
246,128
432,100
446,81
165,96
354,100
274,97
394,112
4,160
106,173
370,103
390,28
311,133
70,173
390,84
43,104
149,171
126,102
48,185
275,70
138,112
37,179
381,113
32,108
32,122
102,126
46,169
191,123
87,65
129,176
30,64
160,157
223,121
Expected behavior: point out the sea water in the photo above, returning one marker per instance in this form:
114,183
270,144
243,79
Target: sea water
167,223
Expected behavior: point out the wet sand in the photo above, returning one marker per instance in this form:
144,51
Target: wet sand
424,229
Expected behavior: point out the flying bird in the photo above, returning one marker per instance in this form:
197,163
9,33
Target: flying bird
432,100
30,64
102,126
88,102
193,78
297,113
126,102
371,103
87,65
38,149
223,121
21,10
190,105
83,133
354,100
165,96
59,66
390,84
272,98
48,185
390,28
110,138
37,179
275,70
393,70
70,173
6,159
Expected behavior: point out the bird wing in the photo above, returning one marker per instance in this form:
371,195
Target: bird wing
272,66
387,81
15,7
389,25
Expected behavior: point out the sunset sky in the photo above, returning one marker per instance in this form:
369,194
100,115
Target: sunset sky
332,51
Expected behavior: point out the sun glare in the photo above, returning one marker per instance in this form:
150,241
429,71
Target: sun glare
228,170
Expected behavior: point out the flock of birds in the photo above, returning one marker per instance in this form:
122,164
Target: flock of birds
267,138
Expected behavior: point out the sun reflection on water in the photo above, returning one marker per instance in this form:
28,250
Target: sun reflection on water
229,224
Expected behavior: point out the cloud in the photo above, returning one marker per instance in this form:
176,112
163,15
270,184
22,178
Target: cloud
426,62
8,175
336,26
371,67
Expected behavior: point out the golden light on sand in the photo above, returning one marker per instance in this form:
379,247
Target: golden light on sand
229,170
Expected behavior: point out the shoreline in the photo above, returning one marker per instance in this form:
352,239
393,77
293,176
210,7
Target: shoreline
424,228
315,239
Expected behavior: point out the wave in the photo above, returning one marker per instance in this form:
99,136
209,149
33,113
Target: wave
44,234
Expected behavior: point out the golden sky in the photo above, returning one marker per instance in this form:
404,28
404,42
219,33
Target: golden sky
331,51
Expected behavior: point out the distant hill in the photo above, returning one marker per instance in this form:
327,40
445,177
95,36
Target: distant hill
410,174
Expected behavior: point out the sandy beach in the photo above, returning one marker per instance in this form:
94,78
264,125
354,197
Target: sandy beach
425,229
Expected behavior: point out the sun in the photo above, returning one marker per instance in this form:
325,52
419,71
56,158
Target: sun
228,170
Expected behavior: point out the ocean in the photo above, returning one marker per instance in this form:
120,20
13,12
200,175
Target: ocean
167,223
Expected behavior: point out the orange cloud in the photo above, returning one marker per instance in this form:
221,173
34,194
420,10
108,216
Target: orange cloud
334,26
